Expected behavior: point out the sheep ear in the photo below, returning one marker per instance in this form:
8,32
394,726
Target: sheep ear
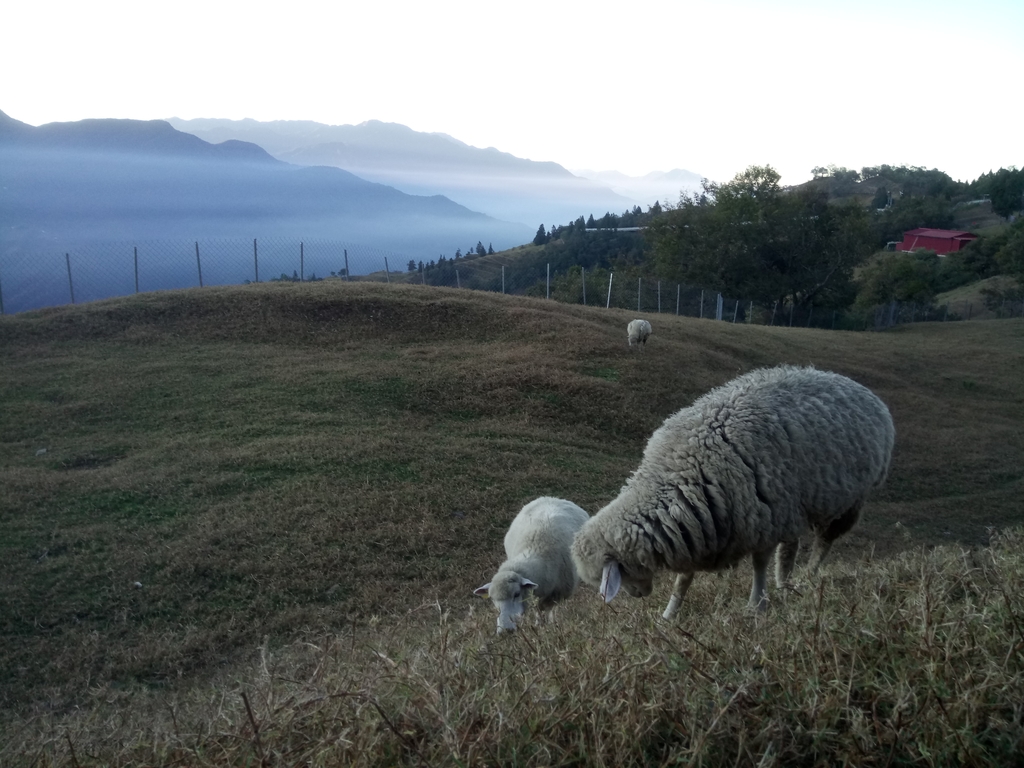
611,580
527,584
482,591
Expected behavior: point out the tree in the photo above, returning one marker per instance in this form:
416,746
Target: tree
881,198
911,212
1006,190
541,237
480,250
899,276
412,265
1010,255
490,248
751,238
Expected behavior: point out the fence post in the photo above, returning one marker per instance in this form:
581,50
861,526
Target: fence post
256,260
302,262
750,314
71,285
701,303
775,306
423,274
458,282
199,266
503,278
549,281
348,275
608,303
638,293
583,274
659,297
1,298
735,310
136,249
679,289
387,272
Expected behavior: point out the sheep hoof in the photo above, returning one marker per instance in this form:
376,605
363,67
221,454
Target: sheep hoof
672,609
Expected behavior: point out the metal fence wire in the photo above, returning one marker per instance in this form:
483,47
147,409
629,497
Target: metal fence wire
94,271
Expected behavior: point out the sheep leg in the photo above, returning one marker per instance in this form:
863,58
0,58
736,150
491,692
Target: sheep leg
823,538
683,581
785,557
759,589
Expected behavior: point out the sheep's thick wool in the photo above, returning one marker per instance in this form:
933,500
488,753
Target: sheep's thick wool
750,465
537,549
637,332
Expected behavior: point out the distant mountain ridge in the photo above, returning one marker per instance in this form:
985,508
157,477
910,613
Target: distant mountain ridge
154,137
133,179
497,183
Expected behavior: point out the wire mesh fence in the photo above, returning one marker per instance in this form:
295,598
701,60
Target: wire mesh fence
104,270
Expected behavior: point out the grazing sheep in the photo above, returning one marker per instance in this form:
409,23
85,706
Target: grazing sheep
637,332
749,467
537,546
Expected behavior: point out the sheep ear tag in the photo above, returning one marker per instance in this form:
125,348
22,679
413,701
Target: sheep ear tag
482,591
527,584
611,580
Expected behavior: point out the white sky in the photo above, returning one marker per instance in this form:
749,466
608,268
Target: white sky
708,86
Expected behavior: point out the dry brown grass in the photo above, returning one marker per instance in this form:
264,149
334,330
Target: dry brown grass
914,660
319,462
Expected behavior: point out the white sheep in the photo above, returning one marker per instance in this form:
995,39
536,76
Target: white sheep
537,547
749,467
637,332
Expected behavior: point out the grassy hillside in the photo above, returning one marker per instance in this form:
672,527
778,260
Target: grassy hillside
969,300
316,476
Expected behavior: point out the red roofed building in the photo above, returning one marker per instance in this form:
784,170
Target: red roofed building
942,241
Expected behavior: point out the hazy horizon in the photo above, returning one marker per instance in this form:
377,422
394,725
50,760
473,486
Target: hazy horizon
692,85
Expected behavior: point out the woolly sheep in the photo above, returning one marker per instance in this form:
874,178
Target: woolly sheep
749,467
637,332
537,546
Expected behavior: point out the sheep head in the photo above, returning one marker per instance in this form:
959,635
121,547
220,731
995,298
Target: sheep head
507,590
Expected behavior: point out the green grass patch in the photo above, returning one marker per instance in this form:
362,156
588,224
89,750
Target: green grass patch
608,374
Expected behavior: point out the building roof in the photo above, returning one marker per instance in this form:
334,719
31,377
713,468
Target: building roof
947,234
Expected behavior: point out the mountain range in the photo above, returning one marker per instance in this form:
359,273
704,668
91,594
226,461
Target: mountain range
91,188
487,180
131,179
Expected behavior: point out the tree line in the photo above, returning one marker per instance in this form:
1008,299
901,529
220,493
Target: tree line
805,247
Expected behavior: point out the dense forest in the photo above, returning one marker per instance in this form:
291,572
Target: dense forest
824,244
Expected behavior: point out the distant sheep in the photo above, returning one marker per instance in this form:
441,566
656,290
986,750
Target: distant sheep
749,467
637,332
537,547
